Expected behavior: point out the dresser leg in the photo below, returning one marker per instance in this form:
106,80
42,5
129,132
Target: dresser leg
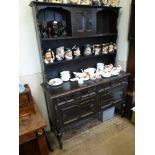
59,137
122,110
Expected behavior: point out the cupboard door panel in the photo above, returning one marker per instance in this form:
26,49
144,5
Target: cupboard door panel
83,22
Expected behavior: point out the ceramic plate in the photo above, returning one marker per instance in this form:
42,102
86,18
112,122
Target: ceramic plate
55,82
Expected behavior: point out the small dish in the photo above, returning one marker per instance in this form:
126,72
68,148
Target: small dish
106,74
55,82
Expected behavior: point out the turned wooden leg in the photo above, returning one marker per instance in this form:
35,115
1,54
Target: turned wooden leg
122,110
41,139
59,137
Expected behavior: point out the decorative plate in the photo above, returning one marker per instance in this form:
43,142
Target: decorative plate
55,82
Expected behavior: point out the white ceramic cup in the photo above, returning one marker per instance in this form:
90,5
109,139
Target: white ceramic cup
80,80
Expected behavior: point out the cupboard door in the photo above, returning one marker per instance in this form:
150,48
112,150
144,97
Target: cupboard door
117,93
83,21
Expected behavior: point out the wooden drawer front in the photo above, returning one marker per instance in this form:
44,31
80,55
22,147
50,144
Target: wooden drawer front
106,95
27,137
89,92
68,115
65,99
88,106
119,82
103,87
105,100
105,104
70,112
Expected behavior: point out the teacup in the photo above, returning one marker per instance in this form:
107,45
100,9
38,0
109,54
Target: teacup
90,71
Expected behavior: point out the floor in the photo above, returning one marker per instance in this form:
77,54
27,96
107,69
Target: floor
113,137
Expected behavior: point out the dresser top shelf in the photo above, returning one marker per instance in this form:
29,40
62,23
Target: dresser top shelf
70,87
71,5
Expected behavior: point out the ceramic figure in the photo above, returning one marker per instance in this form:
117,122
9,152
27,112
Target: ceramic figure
60,53
87,50
96,49
111,47
96,2
105,48
74,1
76,51
104,2
68,54
49,56
65,1
85,2
114,45
55,1
113,3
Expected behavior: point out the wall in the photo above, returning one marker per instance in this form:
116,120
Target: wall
123,25
30,68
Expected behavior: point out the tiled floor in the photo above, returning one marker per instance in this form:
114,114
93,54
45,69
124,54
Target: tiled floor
113,137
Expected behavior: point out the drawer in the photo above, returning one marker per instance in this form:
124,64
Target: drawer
27,137
103,87
89,92
68,104
119,82
105,103
64,99
114,82
106,95
70,112
88,106
68,115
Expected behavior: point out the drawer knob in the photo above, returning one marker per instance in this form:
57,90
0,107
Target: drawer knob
40,132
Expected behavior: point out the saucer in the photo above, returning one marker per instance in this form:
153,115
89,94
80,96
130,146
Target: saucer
55,82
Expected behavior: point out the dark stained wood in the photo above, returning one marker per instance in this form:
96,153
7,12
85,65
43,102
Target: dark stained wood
131,63
71,87
70,102
131,56
32,137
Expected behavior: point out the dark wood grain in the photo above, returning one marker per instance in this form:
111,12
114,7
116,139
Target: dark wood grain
70,102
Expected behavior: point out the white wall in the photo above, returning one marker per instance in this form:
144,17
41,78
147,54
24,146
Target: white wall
123,26
30,68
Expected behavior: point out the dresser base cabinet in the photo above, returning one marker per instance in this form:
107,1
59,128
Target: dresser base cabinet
85,101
